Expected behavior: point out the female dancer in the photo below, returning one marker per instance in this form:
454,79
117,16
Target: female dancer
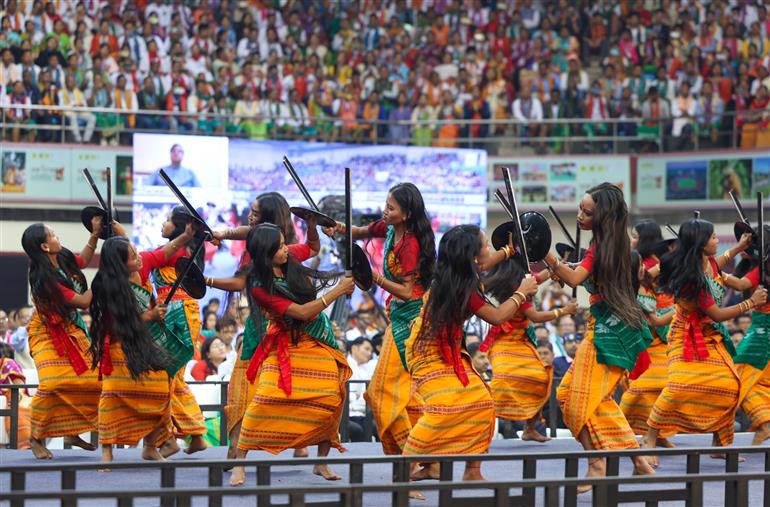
615,335
522,381
409,258
302,374
183,320
269,208
703,385
135,402
67,401
459,414
658,308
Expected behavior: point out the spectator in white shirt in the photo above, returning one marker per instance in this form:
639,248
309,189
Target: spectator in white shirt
361,362
71,96
529,110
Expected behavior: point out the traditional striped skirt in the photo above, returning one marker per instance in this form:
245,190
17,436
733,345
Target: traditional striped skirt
755,388
521,382
637,402
240,392
275,421
129,409
66,403
186,415
701,395
585,397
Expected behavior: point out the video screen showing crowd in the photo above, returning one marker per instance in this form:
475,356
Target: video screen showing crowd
655,329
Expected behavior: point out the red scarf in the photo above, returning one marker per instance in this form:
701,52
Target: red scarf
63,343
496,331
105,364
276,339
694,344
590,107
450,353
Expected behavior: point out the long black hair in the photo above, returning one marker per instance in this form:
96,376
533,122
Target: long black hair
262,242
273,209
612,261
681,271
636,261
417,222
649,235
504,278
455,278
205,348
44,278
114,312
180,217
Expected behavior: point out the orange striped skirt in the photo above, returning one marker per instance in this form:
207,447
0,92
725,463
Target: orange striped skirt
186,415
239,393
274,422
129,409
755,388
394,403
521,382
65,403
637,402
700,396
585,397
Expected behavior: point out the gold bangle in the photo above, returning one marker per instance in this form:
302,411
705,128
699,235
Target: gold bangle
727,255
515,299
92,247
523,296
323,300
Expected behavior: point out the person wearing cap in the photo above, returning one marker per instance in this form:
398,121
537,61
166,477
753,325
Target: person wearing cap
180,175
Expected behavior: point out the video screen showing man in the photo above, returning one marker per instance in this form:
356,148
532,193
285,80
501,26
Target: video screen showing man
181,176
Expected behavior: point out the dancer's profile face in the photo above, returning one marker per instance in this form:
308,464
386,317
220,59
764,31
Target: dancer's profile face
282,254
134,262
712,245
634,239
168,227
254,214
484,249
52,245
586,212
393,214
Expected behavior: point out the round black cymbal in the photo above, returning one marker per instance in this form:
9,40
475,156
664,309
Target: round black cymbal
90,212
565,251
739,229
662,247
194,283
537,235
323,220
362,270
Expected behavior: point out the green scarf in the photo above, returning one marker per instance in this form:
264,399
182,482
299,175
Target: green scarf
754,349
718,292
402,313
617,344
253,336
75,316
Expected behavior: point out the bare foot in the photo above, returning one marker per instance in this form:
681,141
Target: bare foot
169,448
596,468
238,476
76,441
762,434
301,452
642,466
106,457
664,442
532,434
649,444
473,474
39,449
197,444
431,471
741,459
152,454
327,474
416,495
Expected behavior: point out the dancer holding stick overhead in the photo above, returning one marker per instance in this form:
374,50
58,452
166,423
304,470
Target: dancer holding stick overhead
67,401
408,262
699,350
615,334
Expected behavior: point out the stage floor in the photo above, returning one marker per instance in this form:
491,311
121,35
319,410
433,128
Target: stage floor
302,476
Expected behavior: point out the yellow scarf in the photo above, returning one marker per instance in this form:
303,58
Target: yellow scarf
120,97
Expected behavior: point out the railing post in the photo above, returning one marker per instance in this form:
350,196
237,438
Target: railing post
167,482
694,488
355,497
611,490
570,492
529,471
18,483
223,400
345,418
445,475
13,438
68,483
731,467
766,491
215,481
263,479
401,467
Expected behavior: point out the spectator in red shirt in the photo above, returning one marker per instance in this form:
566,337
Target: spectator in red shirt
213,352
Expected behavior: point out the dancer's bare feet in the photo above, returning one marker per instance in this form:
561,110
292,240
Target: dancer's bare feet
106,456
716,443
642,466
532,435
473,472
323,471
430,471
169,448
664,442
416,495
762,434
152,454
301,452
39,449
648,442
197,444
238,476
596,468
76,441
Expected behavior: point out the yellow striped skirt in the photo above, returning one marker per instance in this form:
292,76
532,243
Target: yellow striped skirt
755,388
637,402
186,415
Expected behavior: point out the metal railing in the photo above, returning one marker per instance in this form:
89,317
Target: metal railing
529,489
563,135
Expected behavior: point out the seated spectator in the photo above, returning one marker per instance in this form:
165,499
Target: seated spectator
202,102
756,125
399,116
248,116
564,325
528,110
570,343
361,362
476,109
743,322
545,351
213,353
20,338
11,373
683,109
422,116
710,111
71,96
480,361
596,110
124,99
209,323
736,335
151,99
20,118
655,111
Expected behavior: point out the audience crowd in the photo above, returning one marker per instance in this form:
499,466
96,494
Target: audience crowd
397,70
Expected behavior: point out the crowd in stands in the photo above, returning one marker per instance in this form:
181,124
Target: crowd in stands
329,70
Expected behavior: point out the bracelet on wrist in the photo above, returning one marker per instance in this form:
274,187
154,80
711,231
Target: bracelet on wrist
323,300
523,296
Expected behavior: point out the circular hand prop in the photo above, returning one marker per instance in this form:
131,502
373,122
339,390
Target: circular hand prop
303,213
90,212
194,283
565,251
739,229
362,270
537,234
662,247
